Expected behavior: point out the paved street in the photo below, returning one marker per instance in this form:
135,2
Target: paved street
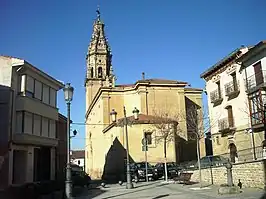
154,190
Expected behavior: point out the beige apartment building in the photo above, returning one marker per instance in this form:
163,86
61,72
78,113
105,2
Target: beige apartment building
152,97
31,132
227,85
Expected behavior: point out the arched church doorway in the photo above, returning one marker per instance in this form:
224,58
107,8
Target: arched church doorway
233,152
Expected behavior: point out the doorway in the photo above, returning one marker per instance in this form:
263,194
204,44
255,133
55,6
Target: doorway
233,152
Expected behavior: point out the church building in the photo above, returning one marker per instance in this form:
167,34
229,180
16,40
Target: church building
154,98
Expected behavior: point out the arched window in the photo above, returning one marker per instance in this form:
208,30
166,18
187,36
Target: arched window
91,72
100,72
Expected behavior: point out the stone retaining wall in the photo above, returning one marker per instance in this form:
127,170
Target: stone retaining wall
251,174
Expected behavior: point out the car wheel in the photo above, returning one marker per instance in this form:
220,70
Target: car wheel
136,179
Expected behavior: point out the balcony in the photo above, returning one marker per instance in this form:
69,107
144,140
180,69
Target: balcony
29,139
216,97
24,103
255,81
232,89
226,126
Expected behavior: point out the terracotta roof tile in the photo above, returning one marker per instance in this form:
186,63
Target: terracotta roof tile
146,119
161,81
143,119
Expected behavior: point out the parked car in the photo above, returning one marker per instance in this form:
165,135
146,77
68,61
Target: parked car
172,169
212,161
79,177
138,171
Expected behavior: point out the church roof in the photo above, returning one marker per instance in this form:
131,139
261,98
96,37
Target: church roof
153,81
143,119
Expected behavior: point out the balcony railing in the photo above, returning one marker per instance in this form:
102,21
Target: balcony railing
216,96
255,80
225,123
231,88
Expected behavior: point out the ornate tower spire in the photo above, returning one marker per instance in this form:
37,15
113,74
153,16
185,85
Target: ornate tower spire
99,56
98,13
99,59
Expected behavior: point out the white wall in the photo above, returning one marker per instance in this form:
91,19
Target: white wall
82,162
240,110
250,68
5,71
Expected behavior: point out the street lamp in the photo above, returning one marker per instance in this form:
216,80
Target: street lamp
68,92
74,133
113,114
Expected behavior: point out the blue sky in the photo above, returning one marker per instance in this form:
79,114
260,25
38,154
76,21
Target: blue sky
169,39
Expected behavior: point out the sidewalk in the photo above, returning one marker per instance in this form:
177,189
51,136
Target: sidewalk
211,191
159,189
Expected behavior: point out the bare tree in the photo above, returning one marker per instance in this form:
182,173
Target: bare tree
166,126
198,124
254,109
255,114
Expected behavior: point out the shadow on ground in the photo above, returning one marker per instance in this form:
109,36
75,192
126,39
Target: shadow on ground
263,196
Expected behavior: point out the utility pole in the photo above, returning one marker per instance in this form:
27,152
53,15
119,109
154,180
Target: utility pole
129,184
165,161
145,149
198,147
146,162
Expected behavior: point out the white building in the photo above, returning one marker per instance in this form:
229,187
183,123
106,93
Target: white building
33,115
228,107
78,158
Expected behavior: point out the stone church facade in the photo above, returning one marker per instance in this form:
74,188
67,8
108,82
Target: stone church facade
150,96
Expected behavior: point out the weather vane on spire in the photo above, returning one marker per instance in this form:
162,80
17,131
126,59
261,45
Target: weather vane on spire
98,12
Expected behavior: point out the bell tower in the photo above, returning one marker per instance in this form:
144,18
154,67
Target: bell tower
99,61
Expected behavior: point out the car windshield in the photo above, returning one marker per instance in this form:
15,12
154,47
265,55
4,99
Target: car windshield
142,165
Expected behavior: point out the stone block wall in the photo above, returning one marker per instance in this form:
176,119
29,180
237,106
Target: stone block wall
251,174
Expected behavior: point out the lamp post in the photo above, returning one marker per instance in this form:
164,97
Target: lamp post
68,92
113,114
198,144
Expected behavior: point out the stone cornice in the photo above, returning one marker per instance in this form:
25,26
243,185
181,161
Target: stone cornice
219,71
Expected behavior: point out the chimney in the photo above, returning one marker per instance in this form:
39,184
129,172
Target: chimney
143,76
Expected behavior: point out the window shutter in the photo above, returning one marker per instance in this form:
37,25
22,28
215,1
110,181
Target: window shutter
45,94
45,127
38,90
37,125
28,123
30,84
52,97
52,129
19,121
